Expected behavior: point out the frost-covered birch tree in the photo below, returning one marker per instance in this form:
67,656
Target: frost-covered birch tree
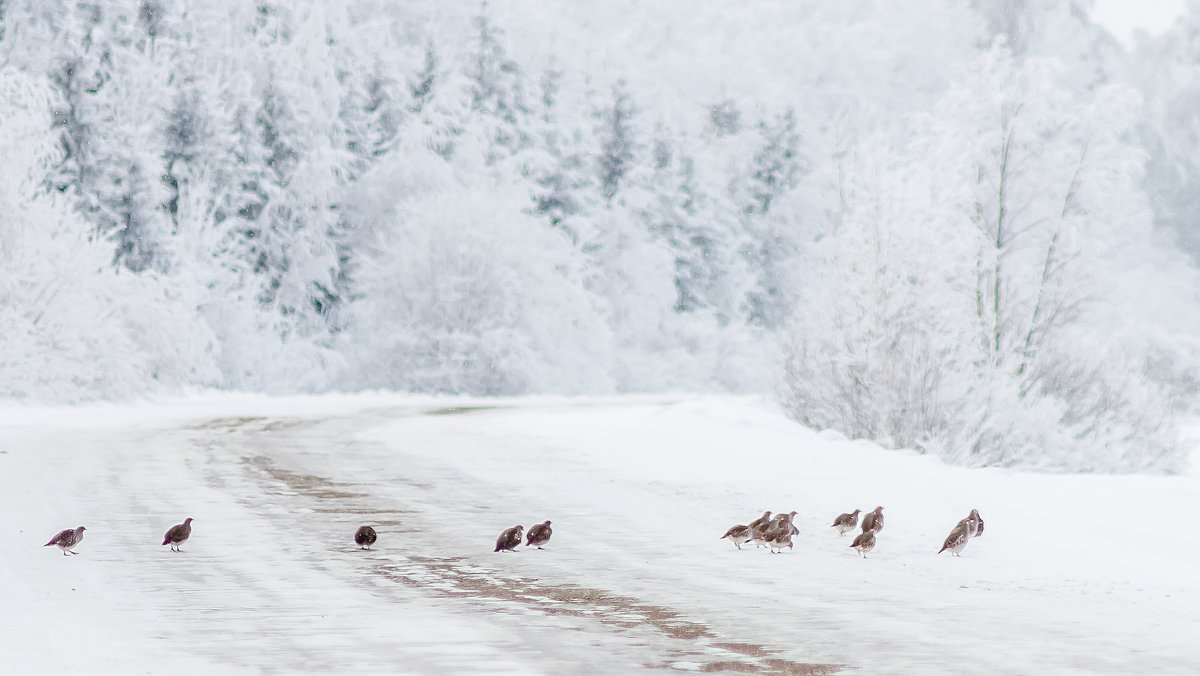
962,321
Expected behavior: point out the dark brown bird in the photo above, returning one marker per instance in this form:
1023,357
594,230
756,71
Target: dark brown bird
738,534
67,540
864,542
365,536
977,523
873,521
958,538
510,539
539,535
845,523
178,534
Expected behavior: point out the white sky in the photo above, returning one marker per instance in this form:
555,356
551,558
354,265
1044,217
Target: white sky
1124,16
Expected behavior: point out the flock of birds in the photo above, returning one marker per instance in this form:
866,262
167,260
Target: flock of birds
775,532
510,539
67,540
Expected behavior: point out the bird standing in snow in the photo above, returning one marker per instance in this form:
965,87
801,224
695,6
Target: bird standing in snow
539,535
873,521
67,540
510,539
845,523
178,534
976,523
779,537
788,519
864,543
959,537
365,536
759,528
738,534
760,521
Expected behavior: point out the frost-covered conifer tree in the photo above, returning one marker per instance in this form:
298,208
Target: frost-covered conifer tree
75,327
771,247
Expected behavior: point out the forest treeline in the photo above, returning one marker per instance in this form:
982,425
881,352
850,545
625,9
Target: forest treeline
966,229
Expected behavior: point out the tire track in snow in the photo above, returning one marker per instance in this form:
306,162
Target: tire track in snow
652,636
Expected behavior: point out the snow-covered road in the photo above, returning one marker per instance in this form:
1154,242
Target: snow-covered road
1075,574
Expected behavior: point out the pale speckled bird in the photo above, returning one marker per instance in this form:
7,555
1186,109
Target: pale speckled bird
958,538
738,535
976,523
789,519
873,521
779,537
864,542
760,521
845,523
67,540
178,534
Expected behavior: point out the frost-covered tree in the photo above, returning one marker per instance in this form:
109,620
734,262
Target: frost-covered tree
962,322
498,98
619,144
771,246
462,292
74,327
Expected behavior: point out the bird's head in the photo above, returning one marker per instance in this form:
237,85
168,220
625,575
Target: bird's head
187,521
81,528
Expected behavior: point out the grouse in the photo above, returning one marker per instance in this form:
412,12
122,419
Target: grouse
873,521
779,537
977,526
738,534
365,536
864,543
846,522
510,539
178,534
958,538
67,540
790,520
539,535
760,521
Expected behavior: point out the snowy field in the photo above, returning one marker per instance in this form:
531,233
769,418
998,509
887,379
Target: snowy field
1074,574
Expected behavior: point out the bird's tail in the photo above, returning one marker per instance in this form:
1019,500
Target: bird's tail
48,544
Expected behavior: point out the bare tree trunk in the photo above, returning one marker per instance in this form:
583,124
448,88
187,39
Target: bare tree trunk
1001,225
1047,268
